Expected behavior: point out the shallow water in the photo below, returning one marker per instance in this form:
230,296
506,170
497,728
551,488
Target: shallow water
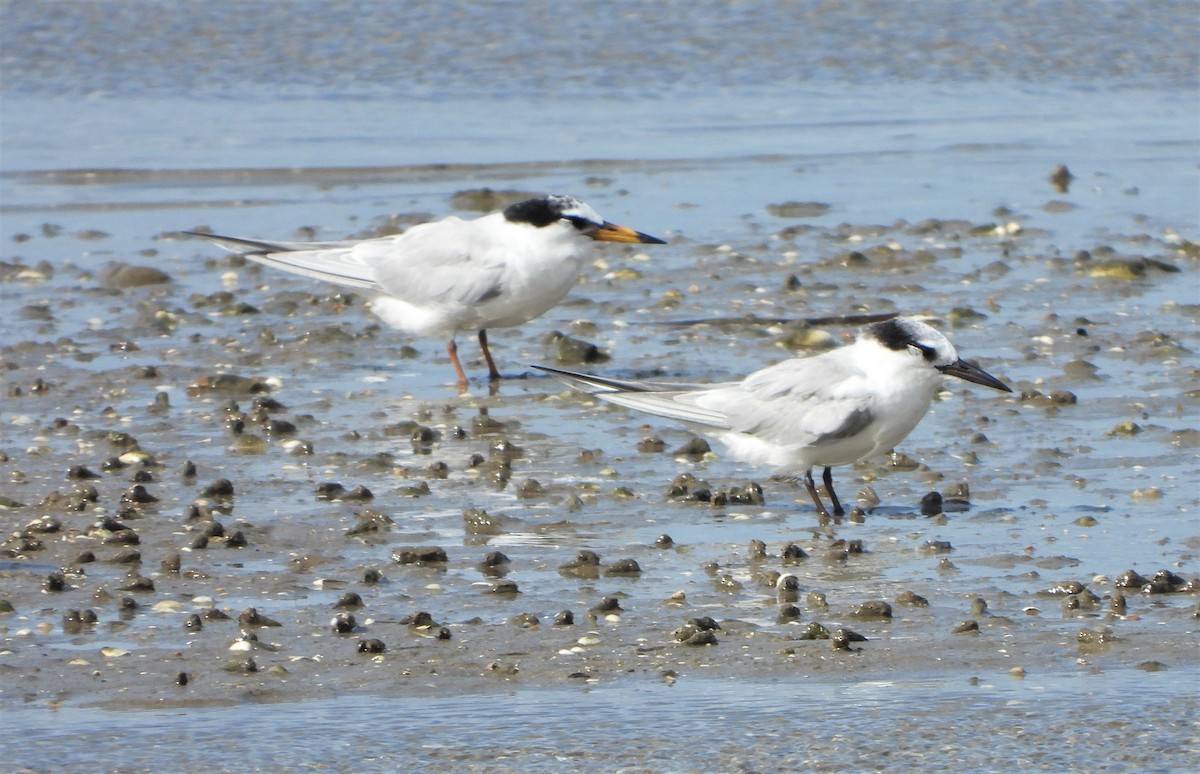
110,151
980,725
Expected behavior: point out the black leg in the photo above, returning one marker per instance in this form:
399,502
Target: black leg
816,498
837,505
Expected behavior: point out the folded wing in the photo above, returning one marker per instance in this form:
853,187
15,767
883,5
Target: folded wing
800,402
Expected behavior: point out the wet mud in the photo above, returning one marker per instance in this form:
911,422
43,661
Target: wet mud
231,497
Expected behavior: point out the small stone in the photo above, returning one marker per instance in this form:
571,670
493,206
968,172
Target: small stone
525,621
651,445
695,447
529,489
792,554
1065,588
586,565
911,599
243,665
251,617
419,620
694,636
120,276
788,614
787,589
843,637
127,556
171,563
606,606
572,351
623,568
504,588
872,609
420,555
1130,579
221,489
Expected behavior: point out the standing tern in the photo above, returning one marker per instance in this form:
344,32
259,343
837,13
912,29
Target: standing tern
452,275
830,409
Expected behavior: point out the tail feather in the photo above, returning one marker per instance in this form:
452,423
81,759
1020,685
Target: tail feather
592,384
332,262
659,398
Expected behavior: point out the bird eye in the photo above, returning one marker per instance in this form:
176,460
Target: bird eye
925,351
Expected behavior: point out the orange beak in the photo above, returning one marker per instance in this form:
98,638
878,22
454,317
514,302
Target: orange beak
611,232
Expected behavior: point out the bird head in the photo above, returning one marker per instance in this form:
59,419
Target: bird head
905,334
544,211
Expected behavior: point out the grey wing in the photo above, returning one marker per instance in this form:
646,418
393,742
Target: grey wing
450,262
804,401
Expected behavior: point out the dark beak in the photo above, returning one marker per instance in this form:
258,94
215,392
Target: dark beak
611,232
973,373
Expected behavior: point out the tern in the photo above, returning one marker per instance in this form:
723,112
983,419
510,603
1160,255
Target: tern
452,275
826,410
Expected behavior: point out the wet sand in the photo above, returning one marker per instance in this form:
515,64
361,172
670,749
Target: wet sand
1082,299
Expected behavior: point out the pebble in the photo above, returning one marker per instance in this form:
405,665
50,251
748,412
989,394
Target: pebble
787,589
251,617
872,609
842,638
420,555
623,568
910,598
792,554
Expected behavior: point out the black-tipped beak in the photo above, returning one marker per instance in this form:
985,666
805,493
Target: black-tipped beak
973,373
611,232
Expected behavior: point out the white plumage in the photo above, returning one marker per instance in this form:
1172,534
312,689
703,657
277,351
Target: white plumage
830,409
453,275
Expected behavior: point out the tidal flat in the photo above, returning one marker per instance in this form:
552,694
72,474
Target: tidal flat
247,526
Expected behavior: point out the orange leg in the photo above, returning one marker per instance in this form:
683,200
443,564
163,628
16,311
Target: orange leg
452,351
493,374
